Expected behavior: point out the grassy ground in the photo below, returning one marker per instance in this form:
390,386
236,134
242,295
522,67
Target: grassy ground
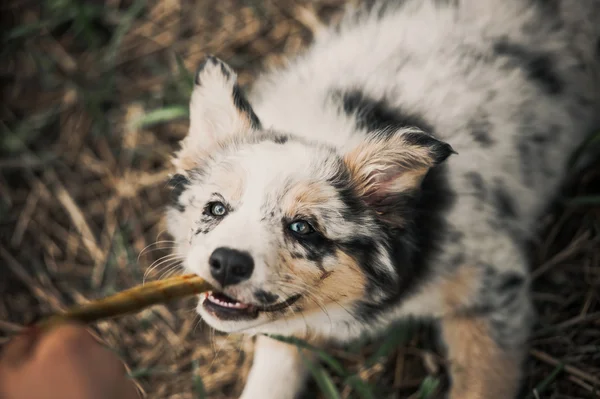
94,100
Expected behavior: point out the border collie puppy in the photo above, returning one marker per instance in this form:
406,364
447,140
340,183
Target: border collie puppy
394,169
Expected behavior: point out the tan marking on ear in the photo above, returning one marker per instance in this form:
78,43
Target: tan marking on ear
373,157
409,180
479,368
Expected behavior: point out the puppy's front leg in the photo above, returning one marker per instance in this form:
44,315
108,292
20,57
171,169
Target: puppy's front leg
486,338
278,371
479,367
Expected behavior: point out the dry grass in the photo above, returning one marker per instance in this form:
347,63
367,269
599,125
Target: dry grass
82,193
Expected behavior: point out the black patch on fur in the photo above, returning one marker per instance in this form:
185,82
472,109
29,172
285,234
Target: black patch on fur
476,181
480,131
537,65
280,139
354,207
265,297
458,259
509,283
550,10
372,114
502,300
532,150
380,8
598,47
178,184
504,203
242,104
206,223
362,249
379,117
316,246
524,152
454,236
225,71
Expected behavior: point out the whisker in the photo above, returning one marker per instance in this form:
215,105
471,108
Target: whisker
159,262
157,243
171,270
217,353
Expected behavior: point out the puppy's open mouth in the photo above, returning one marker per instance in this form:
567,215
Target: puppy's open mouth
227,308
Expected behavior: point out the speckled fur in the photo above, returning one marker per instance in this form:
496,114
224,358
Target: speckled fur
513,86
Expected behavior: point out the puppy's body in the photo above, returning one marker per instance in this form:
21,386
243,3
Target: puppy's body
341,140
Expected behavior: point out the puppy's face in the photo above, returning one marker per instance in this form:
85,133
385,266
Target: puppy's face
289,232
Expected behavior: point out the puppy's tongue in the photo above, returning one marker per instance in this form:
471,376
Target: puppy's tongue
223,300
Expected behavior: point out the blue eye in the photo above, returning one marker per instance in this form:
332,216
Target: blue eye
301,227
217,209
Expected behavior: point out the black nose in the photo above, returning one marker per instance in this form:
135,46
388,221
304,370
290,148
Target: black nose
229,266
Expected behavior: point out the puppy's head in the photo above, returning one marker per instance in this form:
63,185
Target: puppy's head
290,232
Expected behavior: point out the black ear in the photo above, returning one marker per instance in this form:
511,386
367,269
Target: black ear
178,183
387,169
218,110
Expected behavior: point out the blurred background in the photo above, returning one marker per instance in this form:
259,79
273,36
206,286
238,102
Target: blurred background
94,101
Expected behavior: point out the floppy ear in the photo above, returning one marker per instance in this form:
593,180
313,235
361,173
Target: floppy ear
218,111
387,169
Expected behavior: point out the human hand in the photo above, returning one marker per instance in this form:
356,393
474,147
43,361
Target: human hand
64,363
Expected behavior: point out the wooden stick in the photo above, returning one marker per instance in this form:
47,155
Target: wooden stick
131,301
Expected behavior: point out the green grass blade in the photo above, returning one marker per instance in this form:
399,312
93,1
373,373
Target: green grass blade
35,28
323,380
26,29
583,147
542,386
428,387
163,115
198,386
362,388
125,24
397,336
186,79
17,139
324,356
584,200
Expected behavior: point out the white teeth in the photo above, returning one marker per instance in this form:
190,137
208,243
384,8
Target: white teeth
236,305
